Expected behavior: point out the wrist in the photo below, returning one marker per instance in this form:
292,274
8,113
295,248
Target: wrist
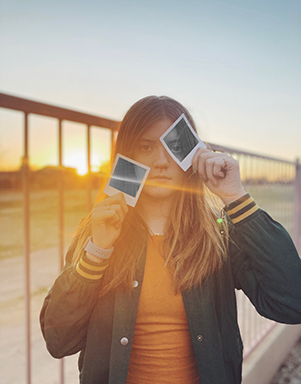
100,241
102,244
95,250
95,259
241,209
227,200
89,269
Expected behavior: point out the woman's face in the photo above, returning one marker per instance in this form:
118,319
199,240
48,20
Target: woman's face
165,175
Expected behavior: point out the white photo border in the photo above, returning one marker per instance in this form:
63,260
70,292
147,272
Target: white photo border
186,162
111,191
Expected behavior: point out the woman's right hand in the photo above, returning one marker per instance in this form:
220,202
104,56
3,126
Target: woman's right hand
107,219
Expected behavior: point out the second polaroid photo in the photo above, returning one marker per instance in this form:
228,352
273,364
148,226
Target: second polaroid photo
127,176
181,141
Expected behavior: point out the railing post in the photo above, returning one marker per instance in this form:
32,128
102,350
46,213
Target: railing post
113,143
25,183
89,186
297,208
61,221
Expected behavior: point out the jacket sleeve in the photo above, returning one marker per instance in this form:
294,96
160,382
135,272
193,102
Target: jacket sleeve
66,311
265,263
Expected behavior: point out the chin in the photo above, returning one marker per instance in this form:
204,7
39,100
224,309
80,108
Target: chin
157,192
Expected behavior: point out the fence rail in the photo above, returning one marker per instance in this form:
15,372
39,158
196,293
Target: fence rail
274,183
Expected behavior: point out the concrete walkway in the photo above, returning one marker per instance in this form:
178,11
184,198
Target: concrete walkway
45,370
290,370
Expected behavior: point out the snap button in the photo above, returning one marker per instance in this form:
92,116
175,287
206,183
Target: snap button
135,283
124,341
199,338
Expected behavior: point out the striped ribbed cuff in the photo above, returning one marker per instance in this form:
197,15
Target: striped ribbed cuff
90,270
241,208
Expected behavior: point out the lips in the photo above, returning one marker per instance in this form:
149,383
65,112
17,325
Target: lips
158,180
160,177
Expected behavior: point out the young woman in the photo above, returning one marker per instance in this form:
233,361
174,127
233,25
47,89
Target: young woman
151,299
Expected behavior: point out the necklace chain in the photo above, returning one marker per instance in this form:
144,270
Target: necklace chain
155,233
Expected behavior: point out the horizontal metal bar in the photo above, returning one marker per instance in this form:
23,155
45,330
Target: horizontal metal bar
222,148
29,106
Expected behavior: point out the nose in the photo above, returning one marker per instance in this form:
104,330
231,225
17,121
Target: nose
161,159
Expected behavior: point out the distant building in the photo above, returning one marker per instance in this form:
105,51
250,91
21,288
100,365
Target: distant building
10,180
49,178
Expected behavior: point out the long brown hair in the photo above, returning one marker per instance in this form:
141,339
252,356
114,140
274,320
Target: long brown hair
193,242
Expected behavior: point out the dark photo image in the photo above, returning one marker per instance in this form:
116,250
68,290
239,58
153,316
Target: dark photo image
180,140
127,177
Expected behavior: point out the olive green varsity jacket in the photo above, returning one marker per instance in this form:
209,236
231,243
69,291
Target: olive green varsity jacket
262,261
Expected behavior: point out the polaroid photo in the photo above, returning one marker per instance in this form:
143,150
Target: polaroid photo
127,176
181,142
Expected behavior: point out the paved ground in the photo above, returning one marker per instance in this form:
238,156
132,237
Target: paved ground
45,369
290,370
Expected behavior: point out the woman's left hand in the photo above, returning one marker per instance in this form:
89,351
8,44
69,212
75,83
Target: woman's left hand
220,173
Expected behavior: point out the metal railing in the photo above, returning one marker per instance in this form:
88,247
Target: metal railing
60,114
275,184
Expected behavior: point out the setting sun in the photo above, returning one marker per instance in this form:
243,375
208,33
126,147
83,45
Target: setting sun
81,171
76,159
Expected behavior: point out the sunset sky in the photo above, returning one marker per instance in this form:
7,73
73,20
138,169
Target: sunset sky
235,64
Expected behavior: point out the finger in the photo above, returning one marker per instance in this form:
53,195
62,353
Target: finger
118,209
201,156
117,224
209,164
116,214
97,210
195,158
201,169
104,216
218,170
123,202
112,200
221,166
199,152
194,163
115,220
202,150
119,198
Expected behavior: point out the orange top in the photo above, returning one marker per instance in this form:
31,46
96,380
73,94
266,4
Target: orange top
162,350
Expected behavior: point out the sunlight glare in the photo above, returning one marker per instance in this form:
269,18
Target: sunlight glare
81,171
76,159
